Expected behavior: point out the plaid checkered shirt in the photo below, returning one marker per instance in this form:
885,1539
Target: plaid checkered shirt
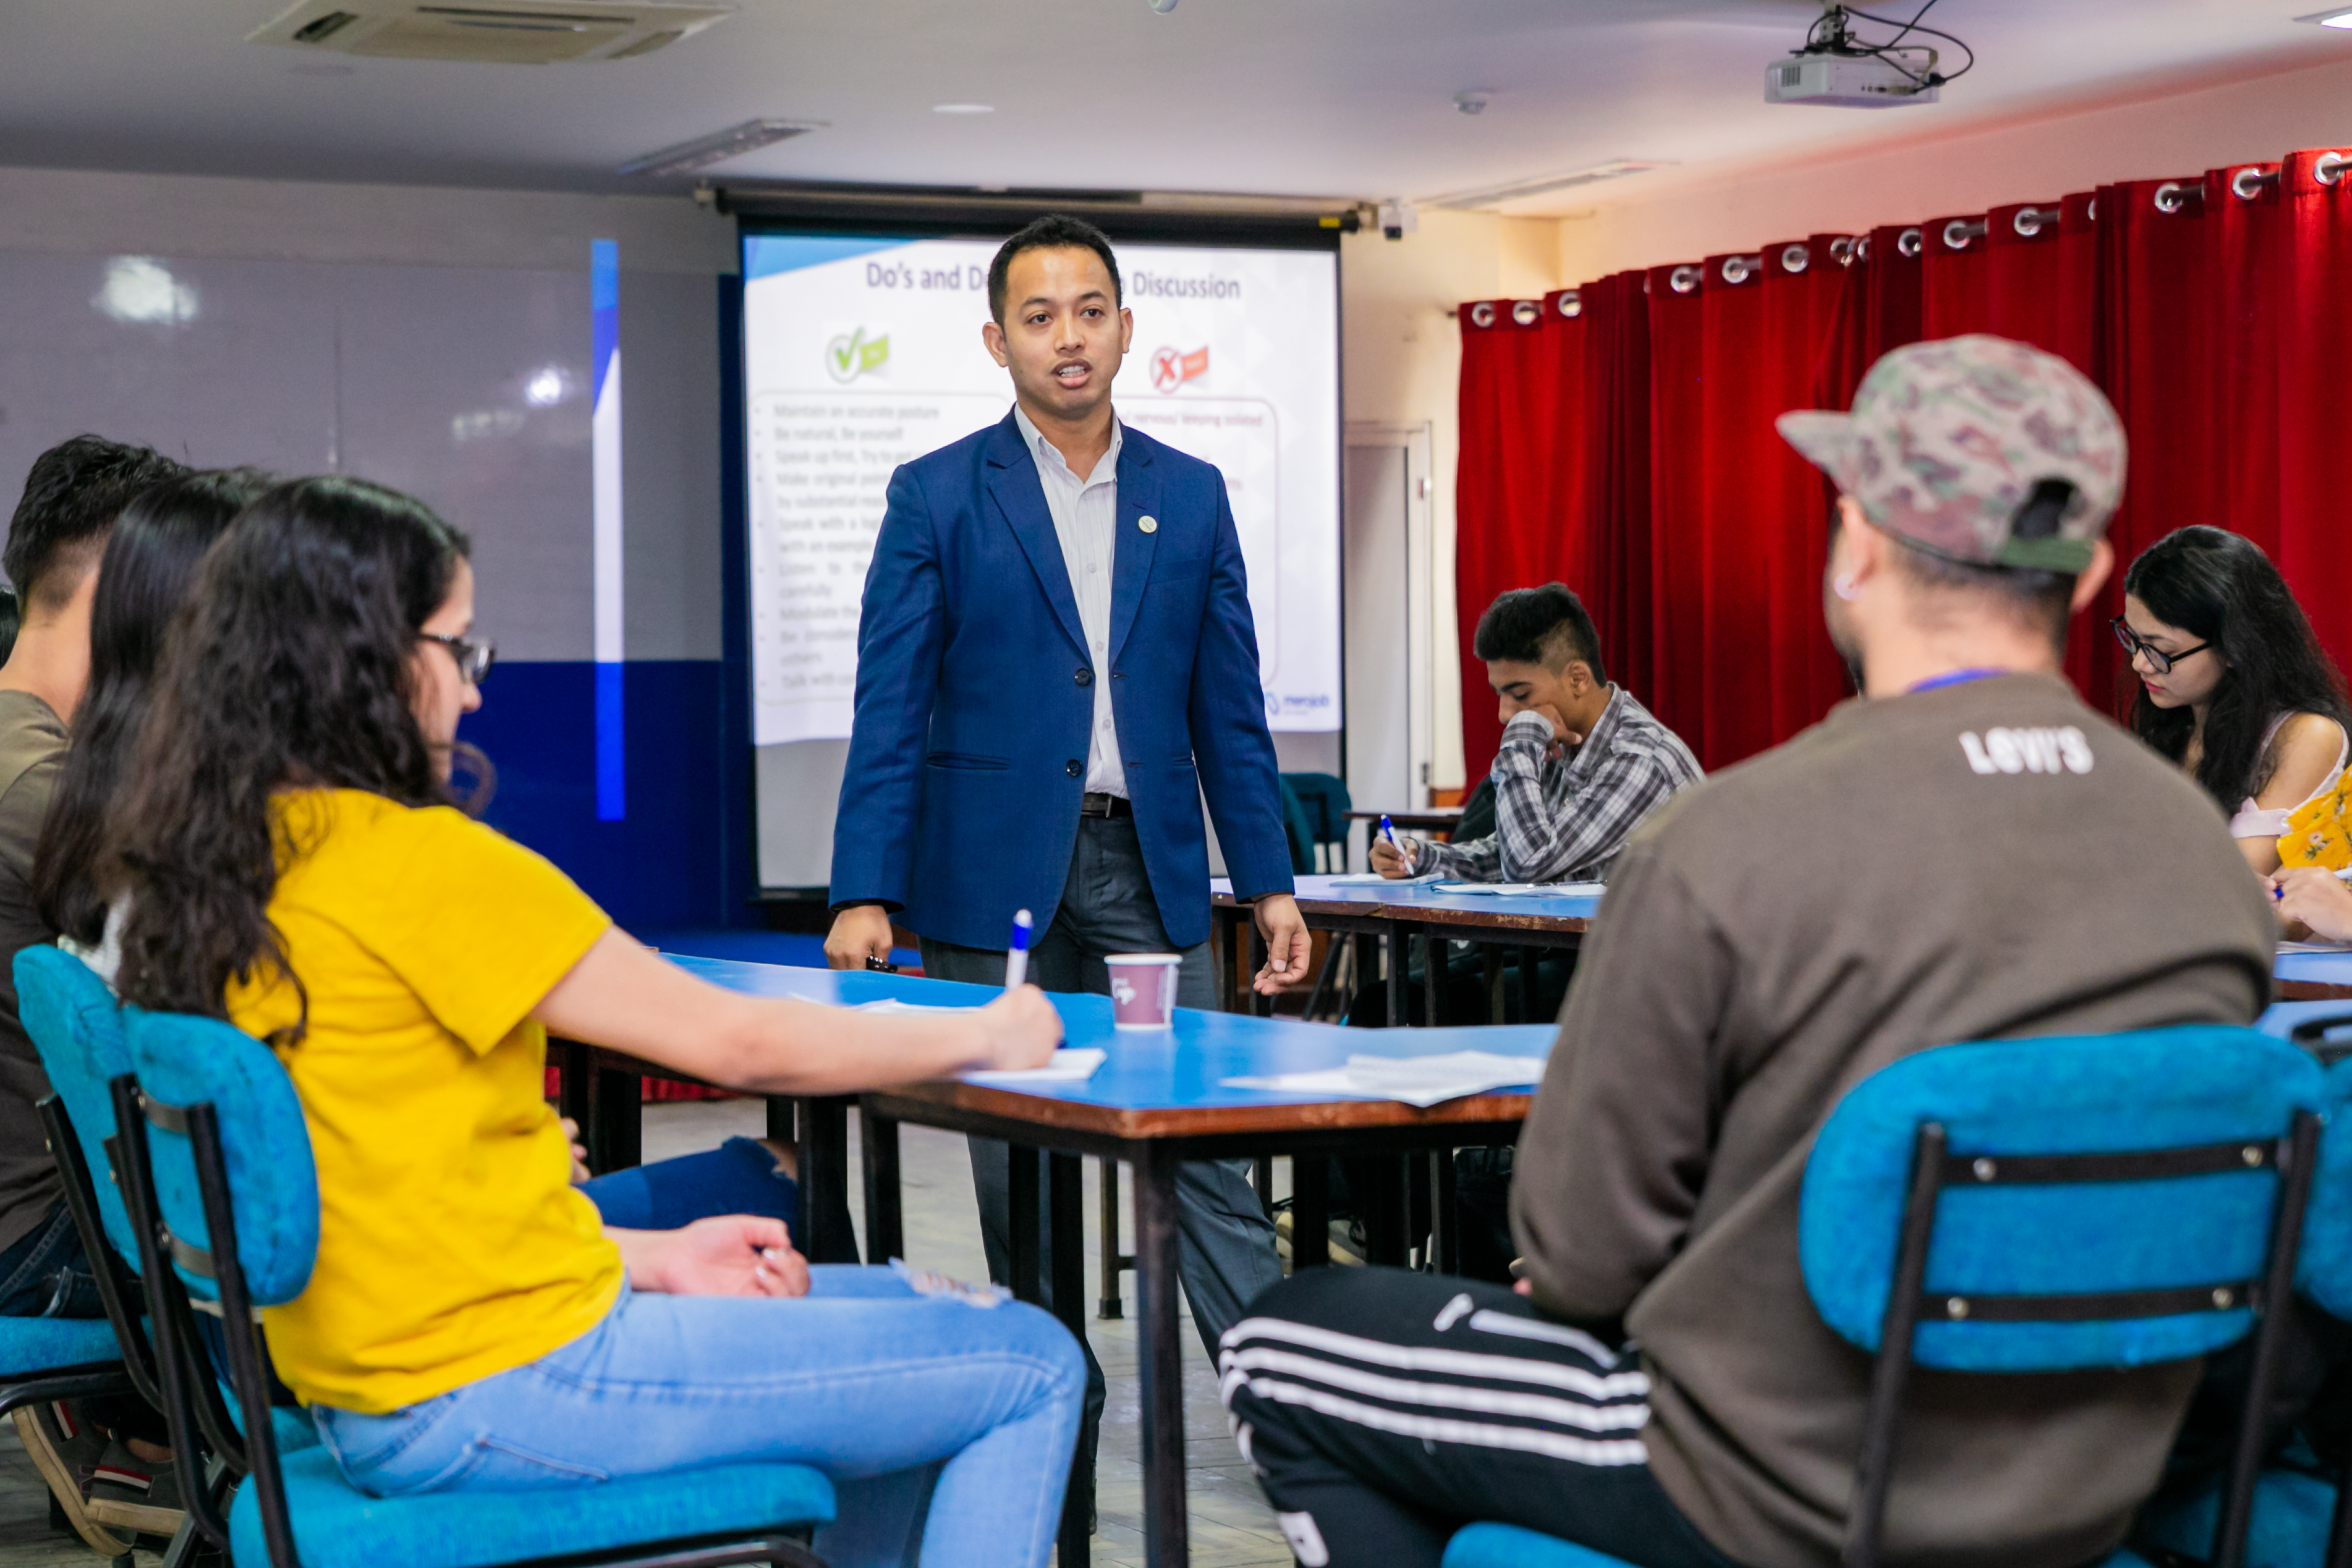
1567,821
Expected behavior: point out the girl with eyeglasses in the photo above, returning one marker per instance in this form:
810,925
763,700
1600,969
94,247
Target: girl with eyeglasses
2234,687
289,862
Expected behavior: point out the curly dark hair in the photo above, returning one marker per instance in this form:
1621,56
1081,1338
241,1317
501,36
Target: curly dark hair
289,667
1053,232
2221,589
72,495
150,560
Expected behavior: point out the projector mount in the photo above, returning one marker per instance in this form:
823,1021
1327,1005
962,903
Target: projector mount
1834,36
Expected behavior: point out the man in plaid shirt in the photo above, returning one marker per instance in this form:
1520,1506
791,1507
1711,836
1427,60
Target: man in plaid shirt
1581,763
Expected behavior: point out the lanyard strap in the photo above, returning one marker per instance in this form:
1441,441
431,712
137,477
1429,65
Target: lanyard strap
1957,677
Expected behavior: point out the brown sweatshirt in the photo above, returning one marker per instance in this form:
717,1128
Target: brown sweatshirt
1974,861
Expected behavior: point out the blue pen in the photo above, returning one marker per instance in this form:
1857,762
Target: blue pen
1388,831
1016,954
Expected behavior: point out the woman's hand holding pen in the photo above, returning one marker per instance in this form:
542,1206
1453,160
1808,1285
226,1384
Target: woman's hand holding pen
1020,1030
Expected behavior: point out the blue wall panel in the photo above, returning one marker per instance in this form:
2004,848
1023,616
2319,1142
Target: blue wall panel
666,866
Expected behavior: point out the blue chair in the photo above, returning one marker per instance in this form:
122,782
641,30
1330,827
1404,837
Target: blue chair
217,1150
2044,1205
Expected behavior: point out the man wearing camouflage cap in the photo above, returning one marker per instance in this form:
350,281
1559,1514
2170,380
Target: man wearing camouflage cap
1962,853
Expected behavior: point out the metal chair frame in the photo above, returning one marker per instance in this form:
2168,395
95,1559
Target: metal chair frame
1934,1168
186,1362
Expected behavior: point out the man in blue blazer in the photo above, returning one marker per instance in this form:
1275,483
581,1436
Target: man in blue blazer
1055,663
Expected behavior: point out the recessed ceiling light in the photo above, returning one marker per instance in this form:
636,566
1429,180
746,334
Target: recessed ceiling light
731,143
963,108
2337,18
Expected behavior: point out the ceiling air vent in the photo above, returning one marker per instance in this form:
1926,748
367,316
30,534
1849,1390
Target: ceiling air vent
504,32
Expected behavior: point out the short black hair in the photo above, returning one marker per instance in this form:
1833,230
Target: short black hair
1545,626
73,493
2042,601
1053,232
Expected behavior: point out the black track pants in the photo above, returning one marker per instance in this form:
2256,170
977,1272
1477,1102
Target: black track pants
1384,1409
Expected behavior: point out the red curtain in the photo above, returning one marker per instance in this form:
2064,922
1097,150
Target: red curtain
2216,311
2313,286
1509,527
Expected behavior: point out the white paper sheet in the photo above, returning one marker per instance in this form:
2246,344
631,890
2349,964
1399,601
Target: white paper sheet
1069,1065
893,1005
2315,946
1526,889
1374,879
1415,1080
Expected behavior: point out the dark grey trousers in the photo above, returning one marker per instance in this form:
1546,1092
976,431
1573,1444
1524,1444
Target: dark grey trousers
1225,1251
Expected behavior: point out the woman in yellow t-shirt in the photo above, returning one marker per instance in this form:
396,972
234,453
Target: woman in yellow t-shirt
290,864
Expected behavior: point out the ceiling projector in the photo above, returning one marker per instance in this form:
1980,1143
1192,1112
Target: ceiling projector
1844,81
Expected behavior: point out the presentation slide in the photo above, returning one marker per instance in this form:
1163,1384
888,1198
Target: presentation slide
861,354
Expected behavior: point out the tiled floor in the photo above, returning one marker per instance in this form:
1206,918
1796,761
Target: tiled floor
1232,1526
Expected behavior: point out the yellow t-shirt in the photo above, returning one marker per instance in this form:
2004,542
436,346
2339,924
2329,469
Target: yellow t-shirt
452,1244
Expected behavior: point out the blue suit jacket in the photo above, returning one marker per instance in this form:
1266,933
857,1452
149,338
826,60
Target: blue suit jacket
967,755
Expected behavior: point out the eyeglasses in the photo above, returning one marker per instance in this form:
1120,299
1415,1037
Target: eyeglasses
474,659
2139,647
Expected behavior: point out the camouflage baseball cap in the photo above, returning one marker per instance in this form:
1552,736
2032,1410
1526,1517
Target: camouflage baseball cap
1950,442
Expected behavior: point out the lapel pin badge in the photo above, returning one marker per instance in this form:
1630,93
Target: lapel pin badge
1148,525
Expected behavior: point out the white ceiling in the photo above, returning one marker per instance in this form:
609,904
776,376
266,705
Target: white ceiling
1336,97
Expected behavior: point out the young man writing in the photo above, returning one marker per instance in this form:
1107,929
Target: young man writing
72,495
1582,763
1862,892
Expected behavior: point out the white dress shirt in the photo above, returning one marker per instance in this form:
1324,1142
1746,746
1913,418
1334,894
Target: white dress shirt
1085,519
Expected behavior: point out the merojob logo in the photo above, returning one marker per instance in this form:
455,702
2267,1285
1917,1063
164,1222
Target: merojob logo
850,357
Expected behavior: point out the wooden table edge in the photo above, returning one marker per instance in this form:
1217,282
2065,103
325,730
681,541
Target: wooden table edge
1131,1125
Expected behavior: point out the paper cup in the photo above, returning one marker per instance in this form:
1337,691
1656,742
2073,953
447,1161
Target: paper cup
1144,989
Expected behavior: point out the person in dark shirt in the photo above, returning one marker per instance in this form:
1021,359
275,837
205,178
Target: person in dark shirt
72,496
1962,855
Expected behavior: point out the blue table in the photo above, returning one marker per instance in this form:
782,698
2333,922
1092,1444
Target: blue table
1391,916
2313,976
1157,1100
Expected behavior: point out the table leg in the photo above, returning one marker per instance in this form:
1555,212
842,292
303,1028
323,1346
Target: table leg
1065,1200
824,1179
885,1231
1445,1235
1166,1544
1492,961
1310,1211
1528,959
615,1125
1394,947
1262,1177
1110,1308
576,1090
1028,1283
1433,977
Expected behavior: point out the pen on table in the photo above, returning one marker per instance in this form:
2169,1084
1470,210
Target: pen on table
1016,952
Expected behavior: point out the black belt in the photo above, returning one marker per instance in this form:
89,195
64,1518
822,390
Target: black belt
1105,805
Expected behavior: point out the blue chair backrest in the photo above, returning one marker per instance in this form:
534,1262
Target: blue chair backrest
2192,1086
2324,1272
78,1029
183,1062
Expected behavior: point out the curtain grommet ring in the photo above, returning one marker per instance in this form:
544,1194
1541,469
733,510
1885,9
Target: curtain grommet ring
1909,244
1525,312
1961,232
1862,249
2172,196
1481,314
1685,279
2328,168
1569,303
2251,182
1795,258
2030,221
1842,250
2091,208
1738,269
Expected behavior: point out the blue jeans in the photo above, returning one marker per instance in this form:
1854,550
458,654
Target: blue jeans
45,1273
936,1420
738,1176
